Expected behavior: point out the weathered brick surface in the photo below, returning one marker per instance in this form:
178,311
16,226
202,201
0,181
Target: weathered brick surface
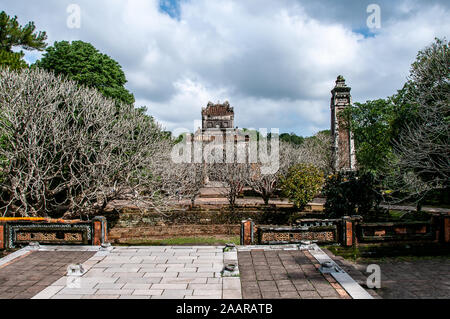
2,240
282,274
416,279
203,219
27,276
447,229
124,234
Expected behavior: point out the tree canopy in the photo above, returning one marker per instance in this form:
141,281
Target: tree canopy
405,137
83,63
423,148
292,138
68,151
12,34
12,60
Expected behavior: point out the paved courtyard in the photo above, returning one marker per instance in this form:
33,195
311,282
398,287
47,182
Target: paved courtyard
291,274
26,276
414,279
149,273
418,279
194,272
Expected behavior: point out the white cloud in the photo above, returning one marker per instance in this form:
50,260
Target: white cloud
275,61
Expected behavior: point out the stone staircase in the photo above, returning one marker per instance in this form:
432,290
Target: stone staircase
213,189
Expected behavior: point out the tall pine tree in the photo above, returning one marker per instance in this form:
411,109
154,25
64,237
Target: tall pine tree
12,34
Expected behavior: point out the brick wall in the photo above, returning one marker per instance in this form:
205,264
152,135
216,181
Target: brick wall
124,234
202,220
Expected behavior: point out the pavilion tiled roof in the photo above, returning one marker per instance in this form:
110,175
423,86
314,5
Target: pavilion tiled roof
218,109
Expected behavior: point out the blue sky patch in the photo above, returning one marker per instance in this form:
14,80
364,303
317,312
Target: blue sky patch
366,32
171,7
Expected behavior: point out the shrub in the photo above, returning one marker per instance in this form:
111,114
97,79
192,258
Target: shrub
351,193
301,184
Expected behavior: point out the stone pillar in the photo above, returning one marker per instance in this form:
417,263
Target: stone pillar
2,235
349,235
440,226
343,147
446,228
247,232
100,234
347,231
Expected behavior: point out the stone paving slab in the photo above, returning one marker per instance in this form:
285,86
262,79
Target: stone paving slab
150,273
194,273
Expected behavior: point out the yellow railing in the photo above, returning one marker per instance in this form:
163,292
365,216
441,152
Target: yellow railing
12,219
38,219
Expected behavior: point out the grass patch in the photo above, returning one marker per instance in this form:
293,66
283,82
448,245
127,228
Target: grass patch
396,214
392,252
182,241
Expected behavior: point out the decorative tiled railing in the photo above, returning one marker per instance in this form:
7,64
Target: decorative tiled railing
348,231
16,232
291,235
398,231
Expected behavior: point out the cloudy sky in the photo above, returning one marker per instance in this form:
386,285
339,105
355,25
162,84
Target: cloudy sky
274,60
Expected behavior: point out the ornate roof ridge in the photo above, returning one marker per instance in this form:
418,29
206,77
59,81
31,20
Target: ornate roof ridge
218,109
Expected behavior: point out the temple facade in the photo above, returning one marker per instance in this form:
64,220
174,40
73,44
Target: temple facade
217,116
218,126
218,121
343,146
218,129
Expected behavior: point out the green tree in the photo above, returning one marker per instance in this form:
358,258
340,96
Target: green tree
351,193
302,183
377,125
83,63
404,138
12,34
291,138
371,126
12,60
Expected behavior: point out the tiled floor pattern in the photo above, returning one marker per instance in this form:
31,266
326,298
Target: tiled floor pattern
150,273
24,277
195,273
289,274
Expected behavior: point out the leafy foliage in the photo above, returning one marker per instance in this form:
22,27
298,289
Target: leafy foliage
301,184
292,138
351,193
404,139
12,34
371,126
12,60
83,63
